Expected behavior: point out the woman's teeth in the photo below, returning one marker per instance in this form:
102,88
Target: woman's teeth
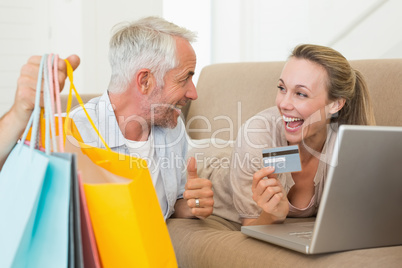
290,122
291,119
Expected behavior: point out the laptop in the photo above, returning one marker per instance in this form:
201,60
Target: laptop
361,205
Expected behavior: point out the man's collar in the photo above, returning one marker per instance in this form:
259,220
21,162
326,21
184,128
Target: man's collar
110,130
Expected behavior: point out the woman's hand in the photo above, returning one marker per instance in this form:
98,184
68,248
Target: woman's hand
270,196
26,85
14,122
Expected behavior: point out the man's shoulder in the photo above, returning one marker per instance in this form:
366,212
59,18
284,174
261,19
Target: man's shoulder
91,107
94,109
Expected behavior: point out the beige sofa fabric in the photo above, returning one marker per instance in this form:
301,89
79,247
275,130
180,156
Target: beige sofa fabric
384,79
233,92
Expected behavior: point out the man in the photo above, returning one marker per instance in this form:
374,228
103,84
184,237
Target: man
152,67
152,64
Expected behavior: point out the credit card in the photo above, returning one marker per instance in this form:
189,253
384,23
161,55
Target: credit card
284,159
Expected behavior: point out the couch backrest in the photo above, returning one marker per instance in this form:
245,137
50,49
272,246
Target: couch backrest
230,93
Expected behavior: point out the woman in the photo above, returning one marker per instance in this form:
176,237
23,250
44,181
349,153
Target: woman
317,91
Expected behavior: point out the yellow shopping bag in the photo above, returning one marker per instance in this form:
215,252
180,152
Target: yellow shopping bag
128,223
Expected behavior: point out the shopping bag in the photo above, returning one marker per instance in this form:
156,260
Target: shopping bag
49,242
75,250
53,105
34,199
21,181
128,223
90,250
75,244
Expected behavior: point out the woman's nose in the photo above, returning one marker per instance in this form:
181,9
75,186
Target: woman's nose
286,102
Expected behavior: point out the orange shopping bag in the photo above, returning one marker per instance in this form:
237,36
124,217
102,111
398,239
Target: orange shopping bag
127,220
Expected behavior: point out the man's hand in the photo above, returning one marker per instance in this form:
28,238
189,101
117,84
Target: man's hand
198,195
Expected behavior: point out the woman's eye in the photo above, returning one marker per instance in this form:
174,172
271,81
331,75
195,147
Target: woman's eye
301,95
281,88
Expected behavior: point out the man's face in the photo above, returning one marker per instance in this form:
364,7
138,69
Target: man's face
166,102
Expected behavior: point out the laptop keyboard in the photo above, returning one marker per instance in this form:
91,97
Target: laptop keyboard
304,235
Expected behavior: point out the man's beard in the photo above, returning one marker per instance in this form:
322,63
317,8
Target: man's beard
163,115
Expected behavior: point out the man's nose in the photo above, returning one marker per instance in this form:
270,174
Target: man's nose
192,92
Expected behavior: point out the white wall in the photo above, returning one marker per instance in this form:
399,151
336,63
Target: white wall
195,18
82,27
228,31
378,35
98,20
257,30
267,30
87,33
23,32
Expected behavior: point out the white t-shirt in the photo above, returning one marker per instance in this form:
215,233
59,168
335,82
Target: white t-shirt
146,150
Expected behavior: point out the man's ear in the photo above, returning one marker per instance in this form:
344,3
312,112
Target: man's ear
337,105
145,81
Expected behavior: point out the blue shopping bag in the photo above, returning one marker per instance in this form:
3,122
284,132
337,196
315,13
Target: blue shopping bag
21,181
34,200
49,240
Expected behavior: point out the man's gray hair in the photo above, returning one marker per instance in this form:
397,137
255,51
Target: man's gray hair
146,43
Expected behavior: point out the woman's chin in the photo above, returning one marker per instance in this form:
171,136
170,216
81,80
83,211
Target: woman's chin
293,129
293,135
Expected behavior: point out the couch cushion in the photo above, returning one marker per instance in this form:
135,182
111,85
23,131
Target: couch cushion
384,80
229,94
215,242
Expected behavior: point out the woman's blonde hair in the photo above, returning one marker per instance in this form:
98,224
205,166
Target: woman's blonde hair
343,82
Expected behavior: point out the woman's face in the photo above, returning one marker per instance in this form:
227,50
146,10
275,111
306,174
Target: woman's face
302,99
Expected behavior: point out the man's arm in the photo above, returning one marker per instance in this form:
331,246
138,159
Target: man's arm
13,123
182,210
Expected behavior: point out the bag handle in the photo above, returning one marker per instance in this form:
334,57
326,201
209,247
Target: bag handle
52,81
67,123
47,65
48,96
35,116
58,101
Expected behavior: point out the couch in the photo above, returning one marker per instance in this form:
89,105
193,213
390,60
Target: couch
228,95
